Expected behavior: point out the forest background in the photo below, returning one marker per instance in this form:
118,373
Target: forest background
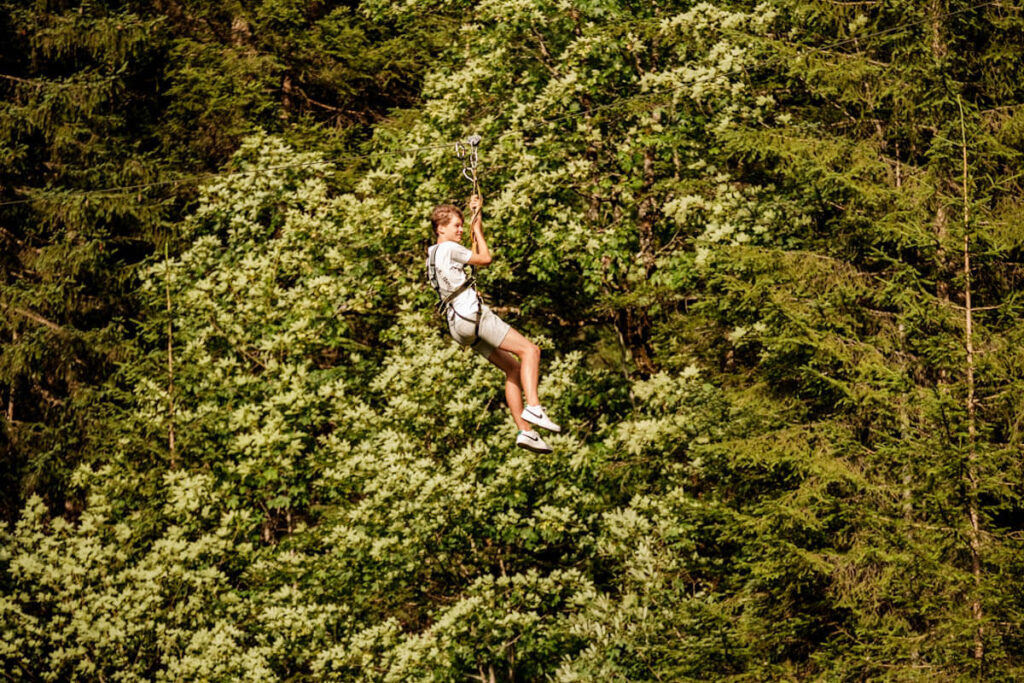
772,252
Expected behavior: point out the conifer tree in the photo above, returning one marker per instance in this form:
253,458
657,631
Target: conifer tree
69,122
884,316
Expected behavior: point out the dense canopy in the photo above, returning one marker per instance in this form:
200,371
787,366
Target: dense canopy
770,250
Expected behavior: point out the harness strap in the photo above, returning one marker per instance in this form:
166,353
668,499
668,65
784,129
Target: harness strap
458,290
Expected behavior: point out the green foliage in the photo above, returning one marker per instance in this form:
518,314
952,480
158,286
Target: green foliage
106,107
738,233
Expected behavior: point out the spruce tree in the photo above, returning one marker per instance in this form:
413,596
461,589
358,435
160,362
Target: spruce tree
876,329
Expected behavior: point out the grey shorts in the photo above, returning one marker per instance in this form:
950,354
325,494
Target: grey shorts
492,331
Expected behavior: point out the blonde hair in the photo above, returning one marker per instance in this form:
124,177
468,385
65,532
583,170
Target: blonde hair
442,214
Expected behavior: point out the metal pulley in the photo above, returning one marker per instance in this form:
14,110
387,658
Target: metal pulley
468,151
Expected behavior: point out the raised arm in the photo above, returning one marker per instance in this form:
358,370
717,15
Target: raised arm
481,254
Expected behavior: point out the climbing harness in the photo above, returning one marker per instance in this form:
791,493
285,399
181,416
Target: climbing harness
468,152
446,303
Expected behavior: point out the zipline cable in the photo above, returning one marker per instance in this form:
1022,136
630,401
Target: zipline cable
187,179
197,177
191,178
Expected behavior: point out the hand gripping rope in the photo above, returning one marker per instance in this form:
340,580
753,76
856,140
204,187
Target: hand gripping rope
469,152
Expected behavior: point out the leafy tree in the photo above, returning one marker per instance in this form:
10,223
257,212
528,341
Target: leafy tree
139,98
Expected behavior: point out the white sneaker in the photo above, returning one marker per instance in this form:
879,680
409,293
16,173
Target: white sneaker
536,415
531,441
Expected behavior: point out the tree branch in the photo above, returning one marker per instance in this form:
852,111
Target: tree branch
35,317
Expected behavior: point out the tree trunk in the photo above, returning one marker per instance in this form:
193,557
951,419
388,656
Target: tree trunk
972,453
10,394
170,362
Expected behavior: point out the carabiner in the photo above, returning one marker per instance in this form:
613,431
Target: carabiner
469,152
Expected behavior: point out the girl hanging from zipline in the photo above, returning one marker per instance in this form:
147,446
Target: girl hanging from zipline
472,323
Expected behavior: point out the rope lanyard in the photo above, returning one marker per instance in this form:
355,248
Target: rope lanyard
469,152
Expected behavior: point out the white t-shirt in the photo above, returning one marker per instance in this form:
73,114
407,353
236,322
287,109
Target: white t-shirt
450,259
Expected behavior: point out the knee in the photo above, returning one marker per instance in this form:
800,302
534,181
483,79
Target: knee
533,351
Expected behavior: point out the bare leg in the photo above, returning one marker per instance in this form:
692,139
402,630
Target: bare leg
529,358
513,385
